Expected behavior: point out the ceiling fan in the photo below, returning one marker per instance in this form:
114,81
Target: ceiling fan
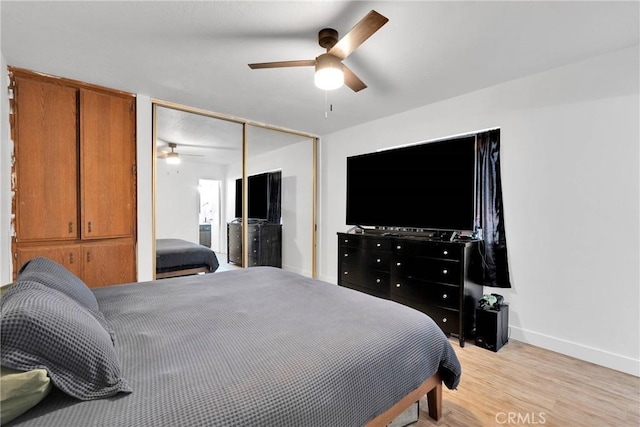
331,73
172,157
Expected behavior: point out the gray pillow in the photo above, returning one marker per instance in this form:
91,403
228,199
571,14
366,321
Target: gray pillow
55,276
41,328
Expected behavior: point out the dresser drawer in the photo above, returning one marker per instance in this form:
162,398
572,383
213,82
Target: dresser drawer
369,280
436,270
427,293
447,319
445,251
366,243
364,259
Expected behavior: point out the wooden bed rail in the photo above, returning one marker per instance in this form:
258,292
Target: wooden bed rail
432,387
178,273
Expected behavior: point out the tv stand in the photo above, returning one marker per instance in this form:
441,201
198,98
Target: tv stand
432,276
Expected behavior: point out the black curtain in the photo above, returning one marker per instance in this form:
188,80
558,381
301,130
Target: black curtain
493,246
274,190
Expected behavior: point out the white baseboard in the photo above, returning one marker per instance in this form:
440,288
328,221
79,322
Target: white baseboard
579,351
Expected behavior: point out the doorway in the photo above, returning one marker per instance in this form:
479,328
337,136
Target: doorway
210,212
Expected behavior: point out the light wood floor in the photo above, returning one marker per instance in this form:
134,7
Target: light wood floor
523,385
224,265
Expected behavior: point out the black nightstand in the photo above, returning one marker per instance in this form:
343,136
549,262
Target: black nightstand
492,328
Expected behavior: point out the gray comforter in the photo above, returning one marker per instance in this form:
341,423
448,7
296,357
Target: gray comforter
256,347
178,254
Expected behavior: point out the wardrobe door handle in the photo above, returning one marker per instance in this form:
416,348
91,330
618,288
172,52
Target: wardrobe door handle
71,258
70,227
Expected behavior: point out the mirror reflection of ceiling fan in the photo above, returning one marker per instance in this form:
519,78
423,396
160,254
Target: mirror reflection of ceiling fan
331,73
172,157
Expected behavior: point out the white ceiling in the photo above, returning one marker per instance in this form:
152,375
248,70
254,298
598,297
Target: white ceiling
196,53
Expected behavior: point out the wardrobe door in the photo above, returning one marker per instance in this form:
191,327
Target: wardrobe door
108,263
69,256
108,177
47,173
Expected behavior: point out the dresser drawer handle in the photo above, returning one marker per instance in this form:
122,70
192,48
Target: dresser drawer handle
378,260
346,255
399,247
378,245
346,272
444,271
445,253
377,280
398,264
444,320
444,296
346,240
397,285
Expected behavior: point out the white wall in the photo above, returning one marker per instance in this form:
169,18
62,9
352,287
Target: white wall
296,163
178,200
5,178
570,175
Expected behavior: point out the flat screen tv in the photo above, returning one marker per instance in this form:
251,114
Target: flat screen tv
259,194
424,186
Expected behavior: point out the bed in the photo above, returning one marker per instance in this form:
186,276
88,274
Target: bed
177,257
249,347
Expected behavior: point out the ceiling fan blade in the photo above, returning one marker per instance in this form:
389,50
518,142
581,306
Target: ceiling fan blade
360,32
353,81
284,64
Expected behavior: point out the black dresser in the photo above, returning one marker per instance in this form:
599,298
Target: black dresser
435,277
265,243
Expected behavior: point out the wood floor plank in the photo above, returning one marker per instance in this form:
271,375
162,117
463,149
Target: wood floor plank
525,385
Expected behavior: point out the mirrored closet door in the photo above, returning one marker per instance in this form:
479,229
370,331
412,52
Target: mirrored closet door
243,189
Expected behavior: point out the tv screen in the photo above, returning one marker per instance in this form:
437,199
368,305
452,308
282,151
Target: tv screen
258,196
426,186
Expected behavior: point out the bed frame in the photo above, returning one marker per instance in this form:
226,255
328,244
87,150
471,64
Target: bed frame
185,272
432,387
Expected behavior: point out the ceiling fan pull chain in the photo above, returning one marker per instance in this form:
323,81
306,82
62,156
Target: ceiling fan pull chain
327,104
326,96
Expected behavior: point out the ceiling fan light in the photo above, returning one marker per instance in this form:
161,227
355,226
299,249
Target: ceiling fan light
329,72
173,158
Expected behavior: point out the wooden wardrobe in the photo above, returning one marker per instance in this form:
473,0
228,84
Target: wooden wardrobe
74,177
